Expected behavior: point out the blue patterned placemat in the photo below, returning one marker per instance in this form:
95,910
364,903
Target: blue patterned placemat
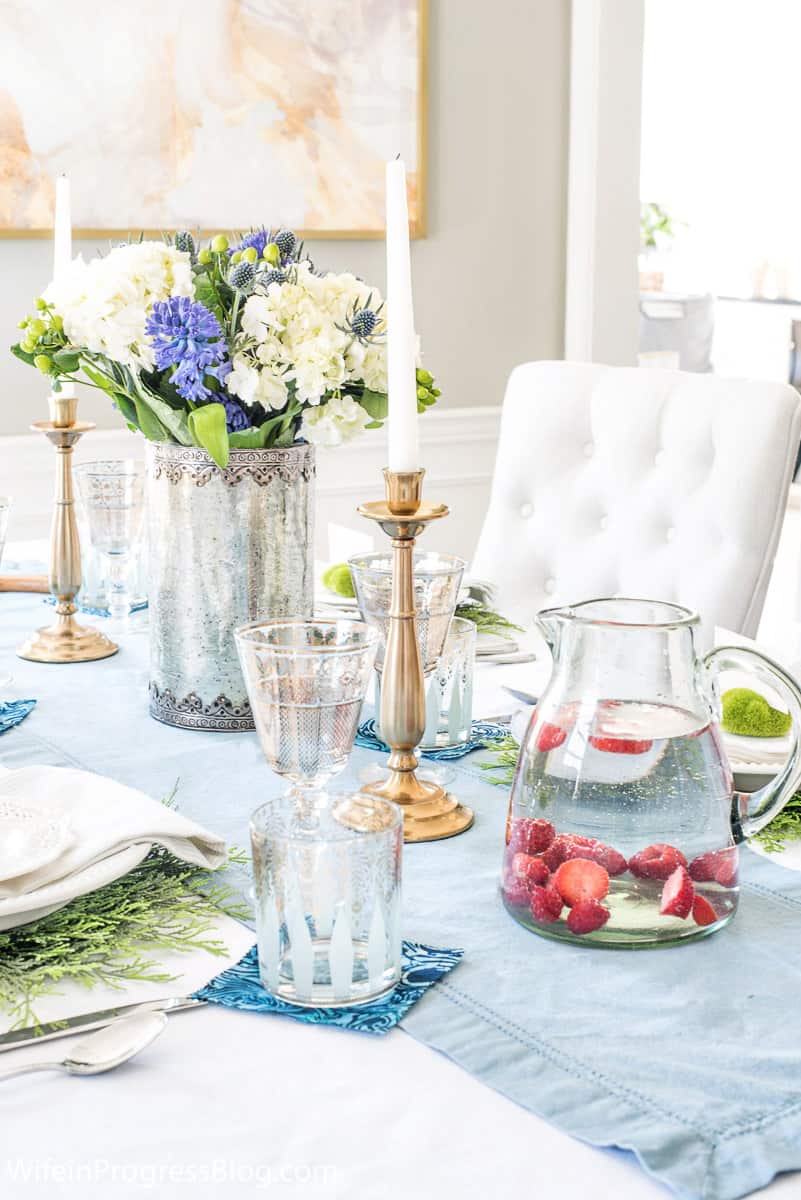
480,732
240,987
14,711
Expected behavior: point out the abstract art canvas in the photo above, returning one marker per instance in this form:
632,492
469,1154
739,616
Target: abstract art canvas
171,114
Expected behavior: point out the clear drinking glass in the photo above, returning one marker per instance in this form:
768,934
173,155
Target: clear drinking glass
113,498
5,512
306,682
449,689
327,883
437,579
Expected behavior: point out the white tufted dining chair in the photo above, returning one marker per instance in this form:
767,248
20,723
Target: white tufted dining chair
649,483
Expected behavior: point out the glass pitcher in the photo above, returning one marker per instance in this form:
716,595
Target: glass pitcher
623,820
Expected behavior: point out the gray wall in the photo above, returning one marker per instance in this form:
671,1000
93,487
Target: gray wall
489,276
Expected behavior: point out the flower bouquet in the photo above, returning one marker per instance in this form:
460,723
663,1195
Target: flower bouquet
233,360
229,346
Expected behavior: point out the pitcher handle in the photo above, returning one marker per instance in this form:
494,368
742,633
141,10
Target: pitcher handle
753,811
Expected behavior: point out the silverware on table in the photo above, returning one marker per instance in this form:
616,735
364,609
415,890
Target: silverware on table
104,1050
520,656
85,1022
523,697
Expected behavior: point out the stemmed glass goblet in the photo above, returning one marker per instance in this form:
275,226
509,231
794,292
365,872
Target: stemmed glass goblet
113,496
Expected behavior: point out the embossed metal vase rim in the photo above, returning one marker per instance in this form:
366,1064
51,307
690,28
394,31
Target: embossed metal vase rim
263,466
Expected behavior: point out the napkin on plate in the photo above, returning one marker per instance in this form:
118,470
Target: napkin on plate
112,828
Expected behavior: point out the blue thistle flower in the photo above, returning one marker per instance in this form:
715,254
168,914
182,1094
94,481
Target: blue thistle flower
236,418
184,241
274,276
286,241
363,323
188,337
241,276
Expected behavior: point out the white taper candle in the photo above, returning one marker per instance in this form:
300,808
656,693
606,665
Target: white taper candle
404,451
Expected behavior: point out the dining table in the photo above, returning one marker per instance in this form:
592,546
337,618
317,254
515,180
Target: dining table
229,1103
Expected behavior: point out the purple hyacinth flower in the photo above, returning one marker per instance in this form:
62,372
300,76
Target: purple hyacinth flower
187,336
236,418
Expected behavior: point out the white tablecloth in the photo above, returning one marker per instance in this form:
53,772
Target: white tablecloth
229,1104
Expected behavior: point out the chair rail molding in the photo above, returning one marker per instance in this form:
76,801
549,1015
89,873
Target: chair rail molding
603,195
458,447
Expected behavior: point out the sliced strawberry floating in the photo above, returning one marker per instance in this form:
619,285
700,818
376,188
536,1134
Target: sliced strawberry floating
716,866
587,916
571,845
677,894
530,867
616,745
530,836
549,736
515,890
546,904
656,862
581,879
703,912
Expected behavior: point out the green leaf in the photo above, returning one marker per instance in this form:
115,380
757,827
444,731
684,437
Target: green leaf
249,439
128,410
18,352
374,425
374,403
99,380
173,421
149,423
68,361
207,427
207,294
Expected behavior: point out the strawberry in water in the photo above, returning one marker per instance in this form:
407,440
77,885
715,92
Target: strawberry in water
616,745
716,866
515,890
581,879
530,867
546,904
677,894
703,912
656,862
569,845
549,736
530,836
587,916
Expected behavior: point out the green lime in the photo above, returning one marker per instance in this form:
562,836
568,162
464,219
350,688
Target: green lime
337,579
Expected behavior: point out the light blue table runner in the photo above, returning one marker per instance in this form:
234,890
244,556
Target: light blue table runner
689,1057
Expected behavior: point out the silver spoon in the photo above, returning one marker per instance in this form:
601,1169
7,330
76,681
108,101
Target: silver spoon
104,1050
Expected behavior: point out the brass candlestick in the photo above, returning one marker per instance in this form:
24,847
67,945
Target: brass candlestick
429,812
65,640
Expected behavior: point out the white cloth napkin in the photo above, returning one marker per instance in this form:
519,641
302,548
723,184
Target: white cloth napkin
113,827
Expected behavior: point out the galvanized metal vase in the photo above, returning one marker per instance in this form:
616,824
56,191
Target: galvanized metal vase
225,547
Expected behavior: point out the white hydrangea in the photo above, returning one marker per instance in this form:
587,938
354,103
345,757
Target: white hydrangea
252,385
340,420
104,303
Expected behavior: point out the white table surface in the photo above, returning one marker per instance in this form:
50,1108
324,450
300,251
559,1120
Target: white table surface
229,1104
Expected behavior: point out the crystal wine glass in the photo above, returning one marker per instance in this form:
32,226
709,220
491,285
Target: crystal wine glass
306,681
113,497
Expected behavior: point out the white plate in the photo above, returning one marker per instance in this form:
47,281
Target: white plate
29,839
789,858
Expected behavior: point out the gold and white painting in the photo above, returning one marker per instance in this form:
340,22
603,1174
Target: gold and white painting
218,114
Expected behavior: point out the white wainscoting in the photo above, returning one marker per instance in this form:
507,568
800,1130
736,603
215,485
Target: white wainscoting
458,448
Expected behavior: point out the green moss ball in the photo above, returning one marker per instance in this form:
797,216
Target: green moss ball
749,714
337,579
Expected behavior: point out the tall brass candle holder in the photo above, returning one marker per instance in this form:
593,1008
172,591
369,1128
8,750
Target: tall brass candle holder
65,640
429,812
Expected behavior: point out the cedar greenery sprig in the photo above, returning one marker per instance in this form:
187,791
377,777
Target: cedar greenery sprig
505,754
109,935
486,619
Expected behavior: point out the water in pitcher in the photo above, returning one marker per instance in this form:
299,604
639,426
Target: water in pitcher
619,828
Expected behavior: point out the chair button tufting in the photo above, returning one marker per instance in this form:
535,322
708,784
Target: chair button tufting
659,458
526,510
589,450
604,523
670,533
550,586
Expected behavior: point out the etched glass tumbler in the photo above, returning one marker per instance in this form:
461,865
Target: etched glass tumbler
327,886
306,682
449,689
113,497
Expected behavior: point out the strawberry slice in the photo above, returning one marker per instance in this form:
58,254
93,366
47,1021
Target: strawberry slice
530,867
615,745
656,862
677,894
587,916
703,912
515,890
716,866
581,879
546,904
549,736
530,836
